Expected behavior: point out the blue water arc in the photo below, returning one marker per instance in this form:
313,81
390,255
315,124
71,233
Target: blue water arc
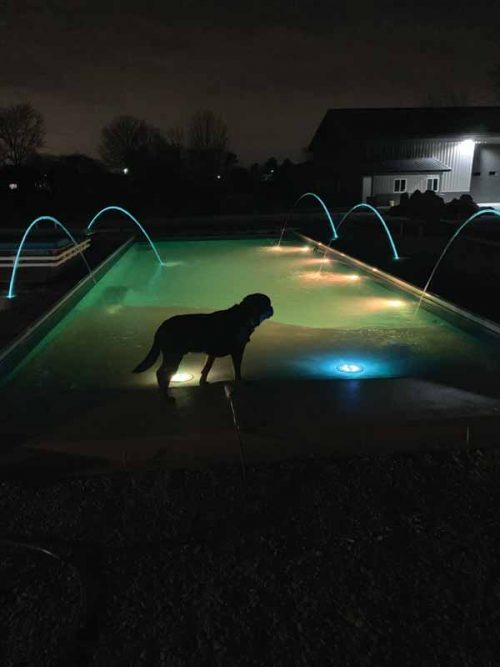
325,209
129,215
383,222
42,218
486,211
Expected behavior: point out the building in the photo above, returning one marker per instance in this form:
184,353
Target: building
375,155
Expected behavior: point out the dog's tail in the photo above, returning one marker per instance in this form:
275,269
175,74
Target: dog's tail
150,358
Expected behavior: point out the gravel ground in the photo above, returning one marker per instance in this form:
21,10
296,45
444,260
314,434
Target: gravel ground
376,561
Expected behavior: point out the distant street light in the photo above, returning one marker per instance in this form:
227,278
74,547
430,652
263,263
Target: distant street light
125,170
219,177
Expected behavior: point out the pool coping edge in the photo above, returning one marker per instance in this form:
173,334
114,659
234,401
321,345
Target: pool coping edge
429,299
13,354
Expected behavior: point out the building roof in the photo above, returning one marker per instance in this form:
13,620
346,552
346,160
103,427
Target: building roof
405,123
416,165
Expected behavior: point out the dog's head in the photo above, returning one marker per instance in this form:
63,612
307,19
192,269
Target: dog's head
257,308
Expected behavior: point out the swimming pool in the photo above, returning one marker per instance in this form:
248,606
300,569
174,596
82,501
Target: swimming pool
332,320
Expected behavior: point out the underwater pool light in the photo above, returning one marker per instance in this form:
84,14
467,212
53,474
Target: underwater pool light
350,368
306,248
395,303
353,276
181,377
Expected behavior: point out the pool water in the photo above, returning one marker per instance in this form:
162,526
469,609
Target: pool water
330,321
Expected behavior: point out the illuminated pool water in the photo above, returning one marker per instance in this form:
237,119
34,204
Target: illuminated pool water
331,321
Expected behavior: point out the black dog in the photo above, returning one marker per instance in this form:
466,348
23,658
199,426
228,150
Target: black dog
217,334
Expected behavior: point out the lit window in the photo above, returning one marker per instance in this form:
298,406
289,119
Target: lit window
433,183
400,185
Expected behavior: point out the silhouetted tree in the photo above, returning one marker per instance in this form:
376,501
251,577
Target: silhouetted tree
271,165
175,138
270,170
125,142
208,142
173,149
22,132
231,161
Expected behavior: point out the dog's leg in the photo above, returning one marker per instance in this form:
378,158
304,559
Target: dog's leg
206,369
237,357
164,374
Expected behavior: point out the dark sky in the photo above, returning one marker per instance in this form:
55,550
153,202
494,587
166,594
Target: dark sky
270,68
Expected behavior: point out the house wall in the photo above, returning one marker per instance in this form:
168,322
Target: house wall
455,154
384,184
485,187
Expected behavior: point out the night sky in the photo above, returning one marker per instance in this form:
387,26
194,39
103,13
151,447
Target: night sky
271,69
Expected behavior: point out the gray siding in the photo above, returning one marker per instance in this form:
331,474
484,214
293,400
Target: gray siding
485,187
453,153
384,184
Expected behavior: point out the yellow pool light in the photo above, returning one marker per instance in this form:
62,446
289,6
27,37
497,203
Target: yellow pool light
325,277
395,303
181,377
286,249
353,276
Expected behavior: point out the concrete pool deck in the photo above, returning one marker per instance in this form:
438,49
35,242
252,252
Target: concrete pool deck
277,420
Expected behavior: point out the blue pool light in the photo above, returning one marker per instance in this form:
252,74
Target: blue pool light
351,364
350,368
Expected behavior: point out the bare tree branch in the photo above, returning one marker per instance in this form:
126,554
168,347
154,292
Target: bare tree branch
208,142
22,132
123,140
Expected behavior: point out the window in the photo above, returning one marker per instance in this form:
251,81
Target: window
400,185
433,183
476,173
492,173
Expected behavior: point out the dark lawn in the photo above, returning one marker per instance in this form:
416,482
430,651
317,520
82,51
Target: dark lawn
383,561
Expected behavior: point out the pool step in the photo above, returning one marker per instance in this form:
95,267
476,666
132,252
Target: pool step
196,433
276,421
343,418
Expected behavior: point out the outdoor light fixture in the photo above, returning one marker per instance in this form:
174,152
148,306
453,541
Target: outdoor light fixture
350,368
125,170
467,145
12,186
181,377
